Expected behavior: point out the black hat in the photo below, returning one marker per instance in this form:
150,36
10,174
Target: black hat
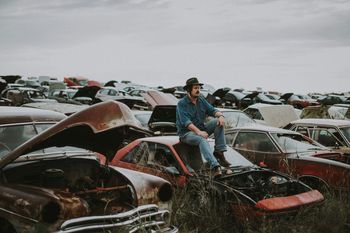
190,82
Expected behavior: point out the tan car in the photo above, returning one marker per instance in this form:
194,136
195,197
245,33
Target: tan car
334,134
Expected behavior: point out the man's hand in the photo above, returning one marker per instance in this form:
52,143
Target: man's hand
221,121
203,134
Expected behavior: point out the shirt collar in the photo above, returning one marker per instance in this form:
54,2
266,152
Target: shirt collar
188,100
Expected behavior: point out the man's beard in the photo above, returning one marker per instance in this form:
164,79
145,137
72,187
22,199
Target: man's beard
195,96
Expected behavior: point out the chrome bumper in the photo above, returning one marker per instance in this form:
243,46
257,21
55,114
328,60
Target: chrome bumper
146,218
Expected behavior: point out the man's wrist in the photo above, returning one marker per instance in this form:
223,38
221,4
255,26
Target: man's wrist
221,115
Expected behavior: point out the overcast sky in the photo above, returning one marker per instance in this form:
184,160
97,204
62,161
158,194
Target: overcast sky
283,45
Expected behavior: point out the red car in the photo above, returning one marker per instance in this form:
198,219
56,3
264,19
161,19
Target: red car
293,153
252,192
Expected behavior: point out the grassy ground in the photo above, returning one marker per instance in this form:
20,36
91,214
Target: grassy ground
196,213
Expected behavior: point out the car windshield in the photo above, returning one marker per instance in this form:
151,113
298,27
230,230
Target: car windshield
346,132
12,136
143,118
264,97
294,143
71,93
236,118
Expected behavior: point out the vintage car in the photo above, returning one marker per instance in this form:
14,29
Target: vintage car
23,95
252,193
232,99
54,182
298,101
292,153
333,99
112,93
81,95
334,134
324,112
80,81
257,97
272,115
19,124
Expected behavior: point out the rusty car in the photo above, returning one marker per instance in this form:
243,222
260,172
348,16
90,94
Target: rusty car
334,134
112,93
22,95
54,182
298,101
253,193
273,115
292,153
19,124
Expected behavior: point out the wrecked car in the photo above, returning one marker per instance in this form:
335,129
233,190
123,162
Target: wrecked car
19,124
54,182
112,93
21,95
334,134
252,193
336,111
82,95
298,101
292,153
273,115
257,97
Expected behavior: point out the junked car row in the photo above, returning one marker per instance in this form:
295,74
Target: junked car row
106,167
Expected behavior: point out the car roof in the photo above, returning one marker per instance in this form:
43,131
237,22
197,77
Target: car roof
11,115
258,106
325,122
229,110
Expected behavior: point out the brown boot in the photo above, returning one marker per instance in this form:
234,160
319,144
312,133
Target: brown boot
216,171
219,155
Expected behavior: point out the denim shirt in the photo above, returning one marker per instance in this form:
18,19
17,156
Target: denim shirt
187,113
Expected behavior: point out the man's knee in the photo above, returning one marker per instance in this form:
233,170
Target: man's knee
192,139
203,141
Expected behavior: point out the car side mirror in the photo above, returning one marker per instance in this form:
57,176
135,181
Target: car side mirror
172,170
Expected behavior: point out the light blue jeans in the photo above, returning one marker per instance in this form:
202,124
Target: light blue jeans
220,142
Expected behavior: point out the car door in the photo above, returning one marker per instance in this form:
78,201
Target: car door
258,148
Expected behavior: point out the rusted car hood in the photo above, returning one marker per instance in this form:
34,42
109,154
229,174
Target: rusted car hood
163,113
251,95
87,91
154,98
221,92
286,96
100,128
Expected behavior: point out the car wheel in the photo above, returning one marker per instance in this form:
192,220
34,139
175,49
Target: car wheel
316,183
